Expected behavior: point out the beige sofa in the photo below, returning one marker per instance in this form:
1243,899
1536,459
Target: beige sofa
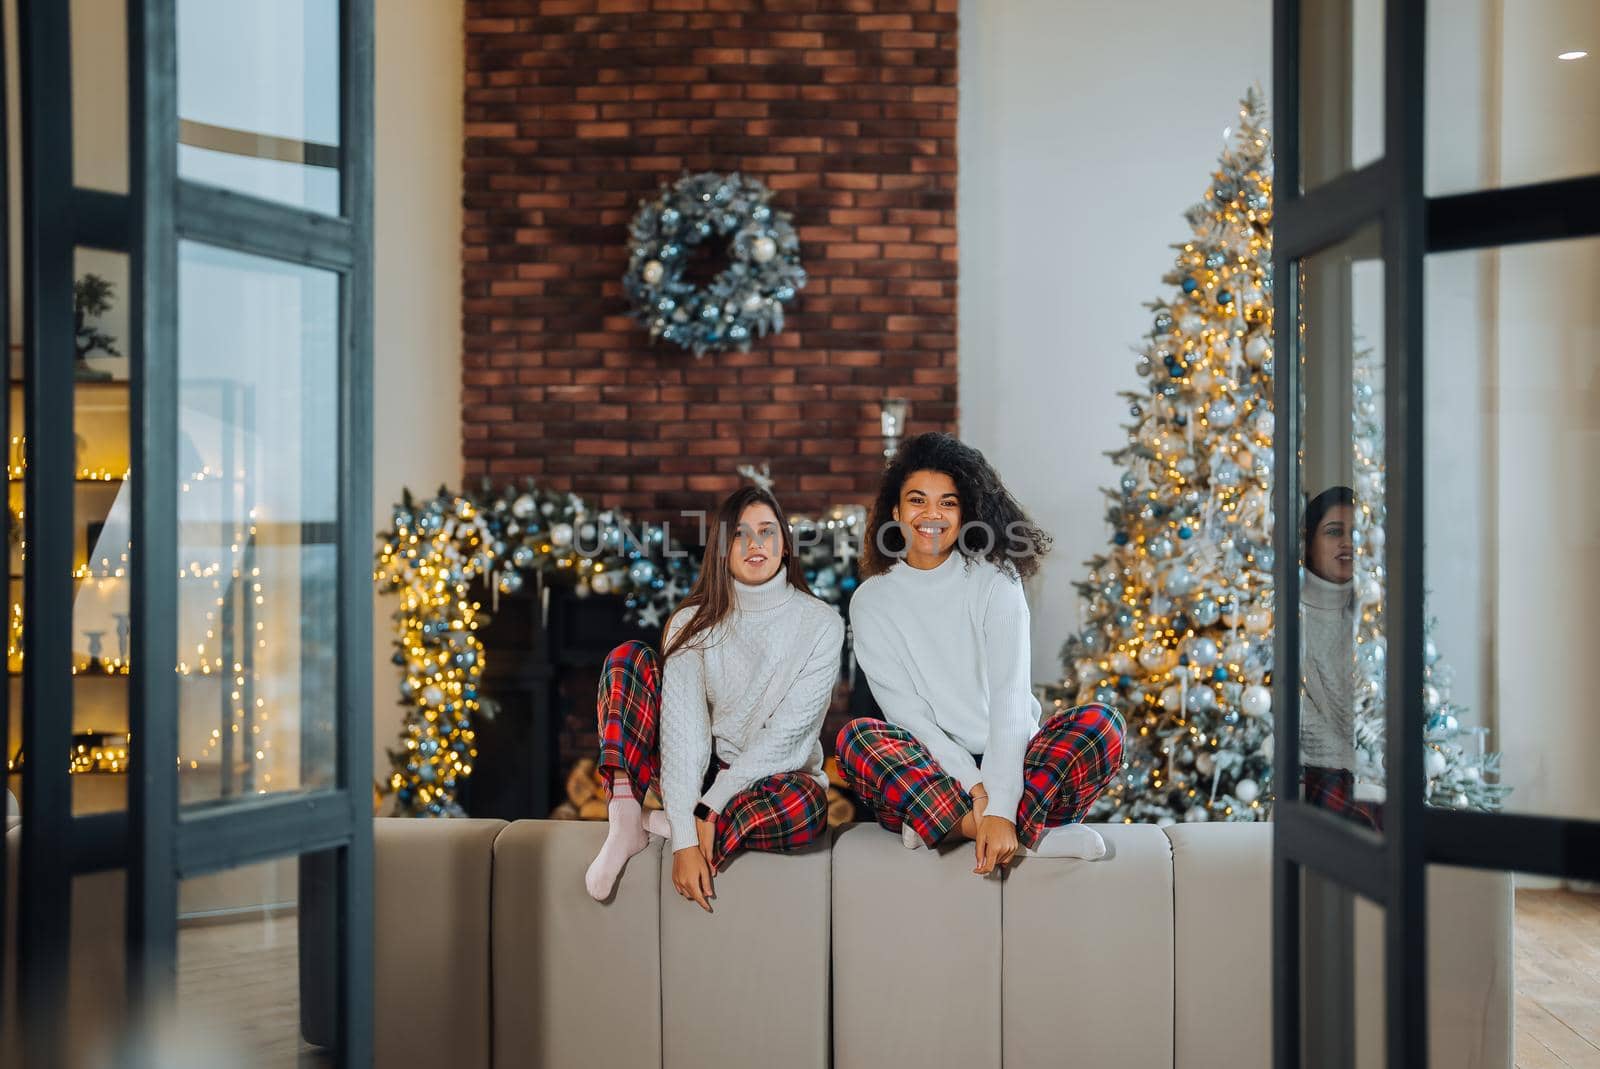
860,953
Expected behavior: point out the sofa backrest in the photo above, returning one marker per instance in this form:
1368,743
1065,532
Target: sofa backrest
489,952
432,902
1158,954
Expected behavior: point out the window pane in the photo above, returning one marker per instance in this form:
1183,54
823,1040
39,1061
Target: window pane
1341,87
1512,504
258,98
242,998
100,94
1341,525
1504,108
103,511
1342,976
257,430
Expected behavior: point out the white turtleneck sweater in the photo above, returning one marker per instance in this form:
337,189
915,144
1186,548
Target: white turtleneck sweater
756,686
1327,672
945,650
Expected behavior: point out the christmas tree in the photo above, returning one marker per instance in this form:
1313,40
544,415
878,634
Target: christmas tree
1179,612
1460,772
1178,620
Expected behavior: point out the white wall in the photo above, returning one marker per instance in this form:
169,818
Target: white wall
417,364
1086,128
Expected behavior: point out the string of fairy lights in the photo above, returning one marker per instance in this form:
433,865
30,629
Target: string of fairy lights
108,752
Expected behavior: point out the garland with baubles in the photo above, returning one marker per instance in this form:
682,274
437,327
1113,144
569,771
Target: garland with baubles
745,300
439,552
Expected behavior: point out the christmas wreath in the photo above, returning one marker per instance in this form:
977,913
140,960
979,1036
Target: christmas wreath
673,238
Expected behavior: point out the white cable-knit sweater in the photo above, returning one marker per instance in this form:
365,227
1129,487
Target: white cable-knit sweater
945,651
757,686
1327,672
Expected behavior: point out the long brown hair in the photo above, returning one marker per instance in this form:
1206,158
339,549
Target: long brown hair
712,596
1015,542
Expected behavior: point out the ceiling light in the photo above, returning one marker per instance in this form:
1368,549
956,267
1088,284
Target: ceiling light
1572,55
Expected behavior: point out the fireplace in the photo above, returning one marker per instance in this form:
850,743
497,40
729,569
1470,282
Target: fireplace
543,651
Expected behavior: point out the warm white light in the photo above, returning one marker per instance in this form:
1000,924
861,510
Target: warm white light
1572,55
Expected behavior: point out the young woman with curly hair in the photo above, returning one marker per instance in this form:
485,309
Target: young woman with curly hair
941,634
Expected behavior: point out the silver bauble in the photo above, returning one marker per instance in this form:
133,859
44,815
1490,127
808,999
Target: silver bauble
1202,651
1256,702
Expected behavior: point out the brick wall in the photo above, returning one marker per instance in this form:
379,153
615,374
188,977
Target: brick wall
578,109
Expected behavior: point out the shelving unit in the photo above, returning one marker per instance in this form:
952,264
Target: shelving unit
218,768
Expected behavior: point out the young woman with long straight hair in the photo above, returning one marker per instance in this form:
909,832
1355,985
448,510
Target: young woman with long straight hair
940,628
725,722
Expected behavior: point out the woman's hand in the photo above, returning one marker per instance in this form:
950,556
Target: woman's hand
691,875
996,844
707,831
980,802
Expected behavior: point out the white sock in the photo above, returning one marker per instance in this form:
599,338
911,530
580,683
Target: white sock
1069,840
909,837
624,838
656,823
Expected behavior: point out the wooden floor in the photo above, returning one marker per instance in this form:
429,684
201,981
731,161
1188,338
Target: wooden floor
239,981
238,990
1558,980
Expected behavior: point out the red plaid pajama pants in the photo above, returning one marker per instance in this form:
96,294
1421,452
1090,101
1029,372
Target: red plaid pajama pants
1075,755
781,812
1334,789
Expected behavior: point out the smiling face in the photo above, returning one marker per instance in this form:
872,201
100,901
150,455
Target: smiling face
756,552
930,511
1332,553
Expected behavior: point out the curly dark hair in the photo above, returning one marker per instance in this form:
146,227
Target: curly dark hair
1017,542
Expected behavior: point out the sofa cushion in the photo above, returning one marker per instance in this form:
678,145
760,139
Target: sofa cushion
1086,944
430,869
760,958
916,955
576,982
1222,949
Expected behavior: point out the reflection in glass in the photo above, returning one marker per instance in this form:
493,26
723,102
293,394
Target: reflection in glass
1328,622
1341,87
99,35
1342,976
1512,506
258,98
242,997
257,511
102,496
1343,648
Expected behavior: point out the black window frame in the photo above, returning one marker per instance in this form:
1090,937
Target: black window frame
156,842
1388,869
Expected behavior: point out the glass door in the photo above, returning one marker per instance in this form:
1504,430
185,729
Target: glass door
1436,227
1349,912
195,555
